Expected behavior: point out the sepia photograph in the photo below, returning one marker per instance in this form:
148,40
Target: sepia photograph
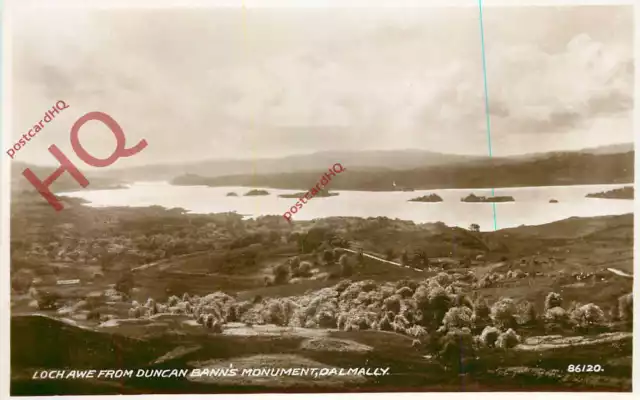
319,199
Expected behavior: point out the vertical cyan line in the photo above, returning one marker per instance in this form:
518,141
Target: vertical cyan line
486,105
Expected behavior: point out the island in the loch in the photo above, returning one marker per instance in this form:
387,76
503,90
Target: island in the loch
622,193
553,201
322,193
232,194
257,192
430,198
472,198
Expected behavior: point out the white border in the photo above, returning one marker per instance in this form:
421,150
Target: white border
38,5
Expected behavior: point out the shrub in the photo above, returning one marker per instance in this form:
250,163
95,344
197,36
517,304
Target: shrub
443,278
481,314
625,307
503,313
173,301
325,319
125,283
401,323
21,282
385,324
281,273
327,256
303,270
508,339
457,318
404,258
456,346
552,300
392,304
417,331
405,292
151,306
342,285
48,300
489,336
588,315
460,300
294,262
556,318
527,313
135,312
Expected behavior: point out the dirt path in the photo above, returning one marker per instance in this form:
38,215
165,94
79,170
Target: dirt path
619,273
380,259
170,259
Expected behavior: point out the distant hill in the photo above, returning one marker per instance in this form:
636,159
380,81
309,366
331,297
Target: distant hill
575,168
380,164
375,160
64,183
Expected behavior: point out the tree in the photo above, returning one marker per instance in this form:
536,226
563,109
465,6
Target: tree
625,307
421,257
588,315
489,336
294,262
503,313
48,300
508,339
455,347
125,283
281,273
439,304
327,256
389,254
457,317
556,318
345,266
527,313
481,314
303,270
21,282
552,300
474,228
405,258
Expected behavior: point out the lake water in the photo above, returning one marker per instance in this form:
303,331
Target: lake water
531,206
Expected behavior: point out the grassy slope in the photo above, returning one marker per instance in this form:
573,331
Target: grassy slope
573,245
409,369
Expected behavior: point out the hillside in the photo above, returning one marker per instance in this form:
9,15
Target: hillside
165,289
64,183
554,169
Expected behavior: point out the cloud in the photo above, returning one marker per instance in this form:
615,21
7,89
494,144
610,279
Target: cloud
227,83
543,93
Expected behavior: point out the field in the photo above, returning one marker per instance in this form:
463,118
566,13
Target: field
161,289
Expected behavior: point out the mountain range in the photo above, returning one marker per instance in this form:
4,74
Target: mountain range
373,170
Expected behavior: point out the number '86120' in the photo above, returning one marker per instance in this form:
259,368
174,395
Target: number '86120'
584,368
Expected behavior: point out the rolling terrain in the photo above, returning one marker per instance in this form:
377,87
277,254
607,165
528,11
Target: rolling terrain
164,289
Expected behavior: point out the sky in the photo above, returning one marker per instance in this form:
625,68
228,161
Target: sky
243,83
